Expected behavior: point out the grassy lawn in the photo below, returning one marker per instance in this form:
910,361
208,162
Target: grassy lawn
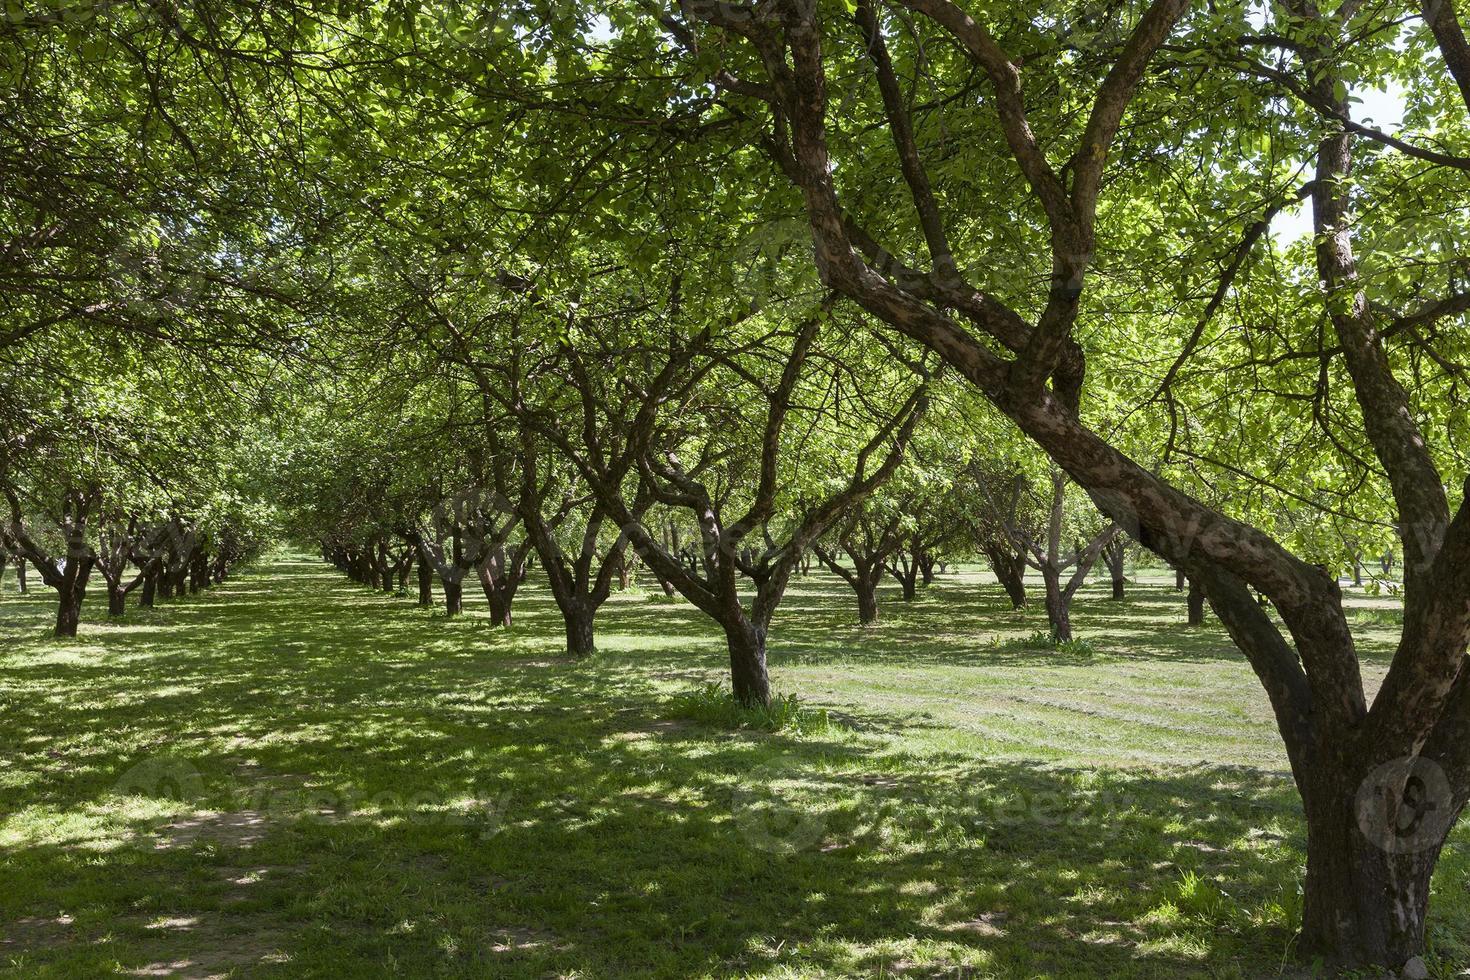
292,776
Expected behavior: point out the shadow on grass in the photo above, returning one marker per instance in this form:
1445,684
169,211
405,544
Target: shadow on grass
294,776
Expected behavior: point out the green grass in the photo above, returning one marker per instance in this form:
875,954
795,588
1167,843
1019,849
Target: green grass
292,776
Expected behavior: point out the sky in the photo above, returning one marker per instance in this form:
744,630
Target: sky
1383,109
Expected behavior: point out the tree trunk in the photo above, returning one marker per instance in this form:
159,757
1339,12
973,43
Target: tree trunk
1115,557
426,583
1010,572
453,598
748,678
1196,602
908,578
69,605
926,568
1058,612
581,639
116,600
20,577
150,587
866,586
1369,865
1178,580
498,594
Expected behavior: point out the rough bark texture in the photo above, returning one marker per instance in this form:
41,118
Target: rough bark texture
1058,605
1364,910
1009,568
453,598
749,679
581,636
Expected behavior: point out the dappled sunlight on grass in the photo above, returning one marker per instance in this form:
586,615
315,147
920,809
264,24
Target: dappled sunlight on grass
292,775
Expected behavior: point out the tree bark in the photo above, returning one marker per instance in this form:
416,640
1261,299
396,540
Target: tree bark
70,592
906,572
116,601
581,635
1365,897
453,598
749,680
1010,570
150,585
1195,599
1058,603
426,583
866,587
20,577
864,576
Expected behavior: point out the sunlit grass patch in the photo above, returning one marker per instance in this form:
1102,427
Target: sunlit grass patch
321,780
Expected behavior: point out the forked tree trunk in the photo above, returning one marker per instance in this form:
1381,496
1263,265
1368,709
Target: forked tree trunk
1058,606
907,575
749,681
116,601
1010,570
1371,850
498,595
864,577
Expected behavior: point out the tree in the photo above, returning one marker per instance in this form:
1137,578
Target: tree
1046,552
1365,896
868,535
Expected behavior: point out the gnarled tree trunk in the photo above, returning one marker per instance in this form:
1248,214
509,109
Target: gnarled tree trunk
1058,605
749,679
453,596
1009,568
